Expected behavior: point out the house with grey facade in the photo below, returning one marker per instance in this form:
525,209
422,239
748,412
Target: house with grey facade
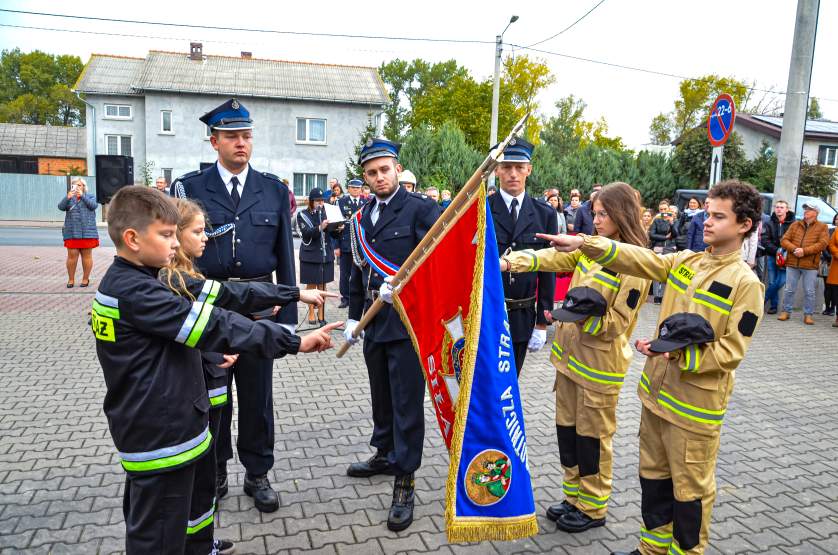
307,117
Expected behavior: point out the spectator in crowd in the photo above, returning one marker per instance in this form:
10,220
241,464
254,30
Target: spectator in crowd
556,202
663,207
446,198
832,277
683,223
647,218
292,200
317,257
491,191
433,194
750,247
570,211
162,185
584,222
772,233
407,180
662,238
695,231
365,192
337,192
830,290
80,234
804,241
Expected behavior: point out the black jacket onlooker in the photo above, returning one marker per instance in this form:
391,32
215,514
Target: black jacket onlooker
774,231
663,234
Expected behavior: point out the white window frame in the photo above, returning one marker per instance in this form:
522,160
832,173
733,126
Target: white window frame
118,106
208,132
119,144
171,130
317,178
834,151
307,141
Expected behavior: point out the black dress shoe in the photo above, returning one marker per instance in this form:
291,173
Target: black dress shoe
771,311
377,464
577,521
259,488
322,323
559,509
635,552
223,547
221,483
401,511
343,304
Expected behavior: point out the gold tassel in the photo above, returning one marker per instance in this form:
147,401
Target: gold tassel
491,530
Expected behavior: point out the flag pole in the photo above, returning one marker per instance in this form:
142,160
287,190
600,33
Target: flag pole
440,228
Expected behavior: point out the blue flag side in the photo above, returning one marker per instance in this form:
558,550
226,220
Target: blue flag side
494,498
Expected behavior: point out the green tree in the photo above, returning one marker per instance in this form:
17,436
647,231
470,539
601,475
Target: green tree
440,158
817,180
545,172
760,171
354,170
35,88
654,177
417,153
814,111
567,131
691,160
695,99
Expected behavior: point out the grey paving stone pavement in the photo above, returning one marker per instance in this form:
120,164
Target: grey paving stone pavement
61,484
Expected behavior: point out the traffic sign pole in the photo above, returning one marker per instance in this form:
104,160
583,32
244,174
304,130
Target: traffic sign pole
719,127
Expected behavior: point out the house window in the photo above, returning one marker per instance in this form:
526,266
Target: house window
166,121
117,111
305,182
167,173
208,132
311,131
118,144
828,155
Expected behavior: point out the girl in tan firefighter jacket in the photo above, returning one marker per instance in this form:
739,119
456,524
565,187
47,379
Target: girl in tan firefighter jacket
685,392
591,357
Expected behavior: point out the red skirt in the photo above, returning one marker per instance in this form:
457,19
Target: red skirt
81,243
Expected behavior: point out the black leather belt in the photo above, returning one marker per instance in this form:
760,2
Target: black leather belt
265,278
371,295
520,304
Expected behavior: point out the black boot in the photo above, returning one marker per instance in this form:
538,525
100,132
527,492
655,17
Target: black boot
635,552
559,509
377,464
221,482
401,511
259,488
577,521
223,547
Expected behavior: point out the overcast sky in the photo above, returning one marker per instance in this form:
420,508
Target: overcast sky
748,39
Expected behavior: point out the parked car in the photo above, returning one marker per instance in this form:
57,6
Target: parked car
827,211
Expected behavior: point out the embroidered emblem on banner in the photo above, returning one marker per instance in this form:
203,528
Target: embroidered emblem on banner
488,477
453,354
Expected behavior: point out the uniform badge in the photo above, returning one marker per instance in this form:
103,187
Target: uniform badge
235,104
488,477
664,331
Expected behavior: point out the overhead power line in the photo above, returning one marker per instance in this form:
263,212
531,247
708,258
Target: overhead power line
569,27
247,29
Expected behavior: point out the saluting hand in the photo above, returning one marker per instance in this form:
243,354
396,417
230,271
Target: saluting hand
317,297
319,340
562,243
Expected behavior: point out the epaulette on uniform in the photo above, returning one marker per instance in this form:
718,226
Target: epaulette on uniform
271,176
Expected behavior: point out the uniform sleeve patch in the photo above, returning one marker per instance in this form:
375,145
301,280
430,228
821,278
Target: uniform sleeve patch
608,271
720,289
633,298
748,323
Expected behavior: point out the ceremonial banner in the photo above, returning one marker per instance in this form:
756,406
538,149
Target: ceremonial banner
453,307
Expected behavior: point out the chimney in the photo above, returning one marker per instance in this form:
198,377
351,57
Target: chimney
246,55
196,51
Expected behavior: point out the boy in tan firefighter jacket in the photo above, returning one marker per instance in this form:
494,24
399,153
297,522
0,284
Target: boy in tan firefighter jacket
591,353
685,392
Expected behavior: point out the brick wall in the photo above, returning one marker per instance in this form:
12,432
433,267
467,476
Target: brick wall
60,166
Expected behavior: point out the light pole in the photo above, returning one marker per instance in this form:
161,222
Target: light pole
493,138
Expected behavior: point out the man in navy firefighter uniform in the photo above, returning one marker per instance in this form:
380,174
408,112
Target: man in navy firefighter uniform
250,239
348,204
518,217
391,225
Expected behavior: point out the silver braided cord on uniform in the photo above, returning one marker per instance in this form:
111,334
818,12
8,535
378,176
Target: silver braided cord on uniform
180,192
357,258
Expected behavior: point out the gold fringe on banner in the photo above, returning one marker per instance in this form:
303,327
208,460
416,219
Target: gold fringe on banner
488,529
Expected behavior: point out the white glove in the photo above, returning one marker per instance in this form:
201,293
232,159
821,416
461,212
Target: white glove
386,291
537,340
349,329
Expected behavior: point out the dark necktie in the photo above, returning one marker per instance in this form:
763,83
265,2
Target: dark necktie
234,194
513,208
381,208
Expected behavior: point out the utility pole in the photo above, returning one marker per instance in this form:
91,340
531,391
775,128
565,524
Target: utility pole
790,150
493,136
